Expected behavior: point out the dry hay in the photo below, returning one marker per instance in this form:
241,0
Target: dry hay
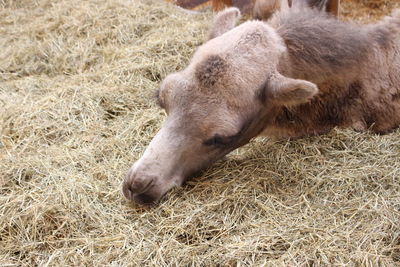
76,86
367,10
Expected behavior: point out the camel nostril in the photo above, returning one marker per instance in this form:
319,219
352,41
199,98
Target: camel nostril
135,184
140,186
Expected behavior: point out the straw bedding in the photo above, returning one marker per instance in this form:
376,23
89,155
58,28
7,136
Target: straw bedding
76,101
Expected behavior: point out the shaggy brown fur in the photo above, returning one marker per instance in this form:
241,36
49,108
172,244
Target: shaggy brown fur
354,68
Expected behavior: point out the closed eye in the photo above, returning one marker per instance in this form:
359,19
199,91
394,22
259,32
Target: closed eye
226,141
218,141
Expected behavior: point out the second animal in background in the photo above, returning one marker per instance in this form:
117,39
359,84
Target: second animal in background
264,9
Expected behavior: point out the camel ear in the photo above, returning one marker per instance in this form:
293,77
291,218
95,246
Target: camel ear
223,22
286,91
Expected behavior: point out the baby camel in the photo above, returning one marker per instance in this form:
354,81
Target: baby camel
302,73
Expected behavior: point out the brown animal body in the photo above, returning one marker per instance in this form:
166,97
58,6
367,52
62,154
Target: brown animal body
300,74
264,9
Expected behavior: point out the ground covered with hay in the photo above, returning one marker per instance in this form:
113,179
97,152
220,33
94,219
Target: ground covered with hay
76,109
